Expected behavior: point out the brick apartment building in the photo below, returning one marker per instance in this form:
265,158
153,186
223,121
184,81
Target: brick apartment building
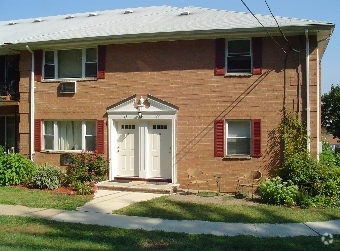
160,89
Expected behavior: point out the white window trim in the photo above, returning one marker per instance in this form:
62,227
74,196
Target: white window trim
226,137
56,134
56,66
251,58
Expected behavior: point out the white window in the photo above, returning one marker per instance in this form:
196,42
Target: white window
69,135
238,56
74,63
238,133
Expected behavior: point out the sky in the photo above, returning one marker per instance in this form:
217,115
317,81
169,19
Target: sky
325,10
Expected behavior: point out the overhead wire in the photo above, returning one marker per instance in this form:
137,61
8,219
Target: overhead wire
278,26
263,26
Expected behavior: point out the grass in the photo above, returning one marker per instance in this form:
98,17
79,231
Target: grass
165,208
39,199
28,234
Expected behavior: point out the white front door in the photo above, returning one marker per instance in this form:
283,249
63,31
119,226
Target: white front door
127,149
159,149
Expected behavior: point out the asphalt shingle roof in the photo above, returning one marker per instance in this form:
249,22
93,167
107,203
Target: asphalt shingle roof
143,21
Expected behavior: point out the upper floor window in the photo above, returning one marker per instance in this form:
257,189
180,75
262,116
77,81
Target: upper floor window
238,56
73,63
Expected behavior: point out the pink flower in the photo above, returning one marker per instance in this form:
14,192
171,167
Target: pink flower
70,192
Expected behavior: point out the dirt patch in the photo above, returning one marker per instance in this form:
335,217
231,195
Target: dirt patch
222,199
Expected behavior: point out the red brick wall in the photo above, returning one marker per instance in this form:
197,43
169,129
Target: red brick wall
181,72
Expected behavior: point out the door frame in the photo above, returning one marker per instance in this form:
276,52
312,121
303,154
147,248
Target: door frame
156,109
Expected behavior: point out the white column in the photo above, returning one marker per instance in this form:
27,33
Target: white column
143,153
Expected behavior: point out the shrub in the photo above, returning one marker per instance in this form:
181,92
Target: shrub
278,192
329,157
15,169
318,182
86,170
84,188
46,177
2,151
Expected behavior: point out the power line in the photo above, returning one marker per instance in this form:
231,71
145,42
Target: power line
295,50
264,27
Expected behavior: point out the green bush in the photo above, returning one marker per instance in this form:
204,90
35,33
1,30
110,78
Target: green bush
15,169
46,177
85,171
2,151
278,192
328,156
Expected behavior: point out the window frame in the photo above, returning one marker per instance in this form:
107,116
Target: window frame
227,70
56,65
56,136
227,137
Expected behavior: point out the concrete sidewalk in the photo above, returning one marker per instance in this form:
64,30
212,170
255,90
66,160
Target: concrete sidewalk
98,211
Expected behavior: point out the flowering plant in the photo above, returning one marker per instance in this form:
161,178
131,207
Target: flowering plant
85,170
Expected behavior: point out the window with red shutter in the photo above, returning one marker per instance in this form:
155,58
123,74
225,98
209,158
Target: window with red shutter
101,61
38,58
236,57
219,138
100,136
256,138
37,135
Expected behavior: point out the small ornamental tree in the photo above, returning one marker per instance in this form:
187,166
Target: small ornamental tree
85,170
317,182
330,111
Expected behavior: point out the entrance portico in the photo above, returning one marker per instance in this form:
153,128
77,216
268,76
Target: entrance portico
142,139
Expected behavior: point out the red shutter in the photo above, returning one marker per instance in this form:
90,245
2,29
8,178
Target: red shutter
219,138
256,138
101,61
257,55
219,56
37,135
38,59
100,136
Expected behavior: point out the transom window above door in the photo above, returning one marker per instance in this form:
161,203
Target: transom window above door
128,127
164,127
73,63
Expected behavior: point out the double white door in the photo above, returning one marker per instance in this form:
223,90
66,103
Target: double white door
158,152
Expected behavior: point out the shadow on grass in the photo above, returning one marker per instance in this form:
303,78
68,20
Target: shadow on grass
18,233
165,208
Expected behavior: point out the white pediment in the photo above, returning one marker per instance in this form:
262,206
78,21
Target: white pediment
126,105
150,105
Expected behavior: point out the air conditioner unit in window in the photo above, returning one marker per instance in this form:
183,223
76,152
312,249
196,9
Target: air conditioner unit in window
68,87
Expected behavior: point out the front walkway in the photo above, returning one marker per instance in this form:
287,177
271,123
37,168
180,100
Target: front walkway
98,212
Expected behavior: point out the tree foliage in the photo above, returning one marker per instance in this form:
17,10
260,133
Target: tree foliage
330,111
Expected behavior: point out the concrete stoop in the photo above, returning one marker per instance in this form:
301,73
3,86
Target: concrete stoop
139,186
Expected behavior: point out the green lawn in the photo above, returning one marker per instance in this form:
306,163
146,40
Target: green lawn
165,208
39,199
29,234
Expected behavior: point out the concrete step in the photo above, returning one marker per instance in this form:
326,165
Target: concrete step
139,186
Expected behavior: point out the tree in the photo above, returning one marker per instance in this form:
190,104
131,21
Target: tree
330,111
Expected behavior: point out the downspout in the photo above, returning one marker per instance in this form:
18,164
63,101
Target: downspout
31,106
318,124
307,91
